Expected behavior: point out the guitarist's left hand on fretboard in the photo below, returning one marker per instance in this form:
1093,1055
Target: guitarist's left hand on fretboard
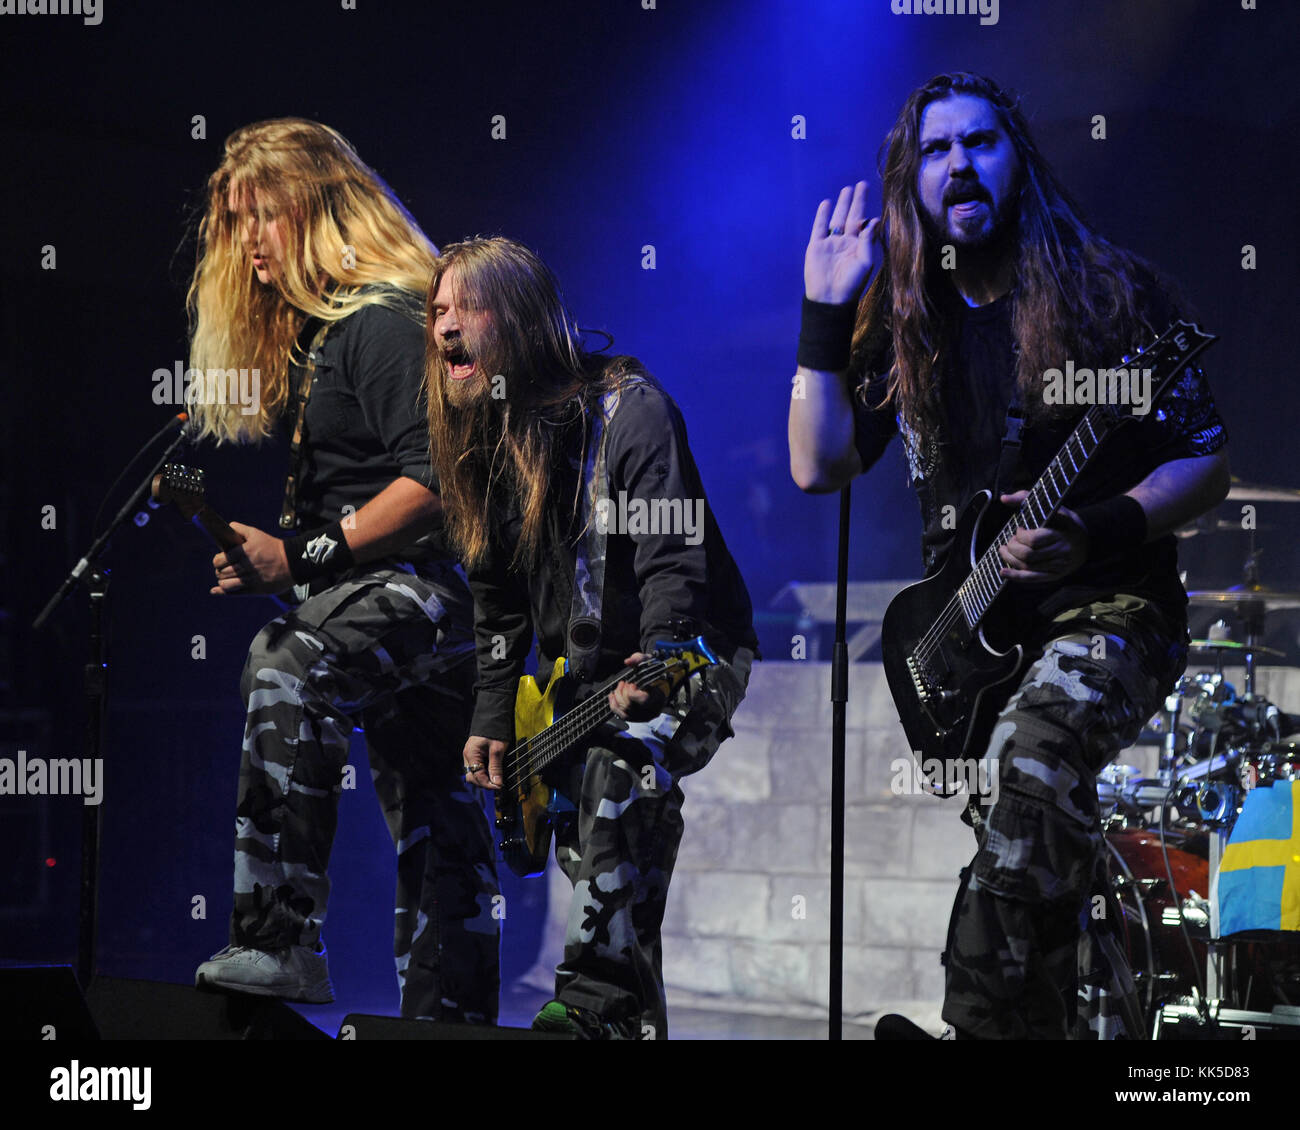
1045,555
633,705
259,565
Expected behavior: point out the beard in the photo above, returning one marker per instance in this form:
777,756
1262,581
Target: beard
974,233
466,392
463,390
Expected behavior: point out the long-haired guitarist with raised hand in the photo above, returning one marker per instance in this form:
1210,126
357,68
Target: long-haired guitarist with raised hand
990,288
312,272
578,510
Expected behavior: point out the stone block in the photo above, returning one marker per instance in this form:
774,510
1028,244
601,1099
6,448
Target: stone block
778,972
941,844
706,842
906,912
813,927
872,975
778,839
720,904
737,774
877,838
697,965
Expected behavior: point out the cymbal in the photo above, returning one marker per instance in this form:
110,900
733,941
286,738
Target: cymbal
1206,524
1260,492
1259,597
1233,645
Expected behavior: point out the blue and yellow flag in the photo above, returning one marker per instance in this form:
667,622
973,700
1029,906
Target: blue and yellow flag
1259,877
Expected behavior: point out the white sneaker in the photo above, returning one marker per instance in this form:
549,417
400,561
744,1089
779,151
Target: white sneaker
294,973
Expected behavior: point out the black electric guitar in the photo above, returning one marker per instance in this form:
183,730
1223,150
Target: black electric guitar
184,488
547,726
948,682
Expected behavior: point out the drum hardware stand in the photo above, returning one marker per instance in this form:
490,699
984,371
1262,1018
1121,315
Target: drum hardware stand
1169,755
1215,949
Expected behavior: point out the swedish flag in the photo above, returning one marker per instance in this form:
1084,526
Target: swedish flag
1259,877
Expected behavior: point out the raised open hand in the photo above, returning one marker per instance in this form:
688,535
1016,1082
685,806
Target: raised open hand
843,249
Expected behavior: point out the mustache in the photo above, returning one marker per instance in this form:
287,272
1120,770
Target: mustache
455,353
961,193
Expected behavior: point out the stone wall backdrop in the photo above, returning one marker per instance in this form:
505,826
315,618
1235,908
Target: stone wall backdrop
748,912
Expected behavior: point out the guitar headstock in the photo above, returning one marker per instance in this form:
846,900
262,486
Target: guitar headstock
1166,357
680,659
180,485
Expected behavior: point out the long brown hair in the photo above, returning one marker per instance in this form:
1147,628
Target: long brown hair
509,446
1077,295
344,232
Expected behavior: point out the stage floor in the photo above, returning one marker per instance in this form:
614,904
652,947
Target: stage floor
518,1008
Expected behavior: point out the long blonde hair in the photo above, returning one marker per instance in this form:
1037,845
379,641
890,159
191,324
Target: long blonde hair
347,242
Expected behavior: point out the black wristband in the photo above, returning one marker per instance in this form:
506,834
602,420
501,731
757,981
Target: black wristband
1113,526
318,554
826,335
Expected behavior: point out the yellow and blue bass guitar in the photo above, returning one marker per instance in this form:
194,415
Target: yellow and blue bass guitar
548,724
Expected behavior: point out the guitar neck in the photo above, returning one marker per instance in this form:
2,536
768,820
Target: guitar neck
216,527
978,592
531,756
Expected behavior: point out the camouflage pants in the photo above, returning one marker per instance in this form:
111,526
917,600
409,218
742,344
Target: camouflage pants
1033,950
619,848
390,650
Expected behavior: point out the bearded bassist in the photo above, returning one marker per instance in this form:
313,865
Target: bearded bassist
551,460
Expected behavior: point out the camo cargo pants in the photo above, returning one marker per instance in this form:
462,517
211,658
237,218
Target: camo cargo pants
391,650
1033,950
619,848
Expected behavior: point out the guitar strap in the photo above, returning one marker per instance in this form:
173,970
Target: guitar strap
313,332
1009,456
589,563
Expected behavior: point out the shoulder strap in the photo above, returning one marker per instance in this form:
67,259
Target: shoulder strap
313,332
1009,457
589,563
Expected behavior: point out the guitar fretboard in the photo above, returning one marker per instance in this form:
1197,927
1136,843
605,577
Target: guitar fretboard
977,593
1167,356
530,757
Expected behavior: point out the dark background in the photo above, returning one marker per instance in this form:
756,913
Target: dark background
625,127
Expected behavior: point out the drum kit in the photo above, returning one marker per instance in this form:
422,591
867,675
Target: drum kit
1167,833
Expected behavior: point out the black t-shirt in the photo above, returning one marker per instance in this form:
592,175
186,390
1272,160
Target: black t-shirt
366,421
948,469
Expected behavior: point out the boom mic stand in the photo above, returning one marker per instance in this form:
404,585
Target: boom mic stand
95,690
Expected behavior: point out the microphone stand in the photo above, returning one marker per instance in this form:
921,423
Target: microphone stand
95,690
839,701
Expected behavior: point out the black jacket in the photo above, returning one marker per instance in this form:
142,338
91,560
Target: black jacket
655,582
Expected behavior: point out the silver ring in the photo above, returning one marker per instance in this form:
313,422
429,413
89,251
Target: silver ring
473,768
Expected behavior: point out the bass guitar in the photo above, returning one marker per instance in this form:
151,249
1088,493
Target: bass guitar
548,724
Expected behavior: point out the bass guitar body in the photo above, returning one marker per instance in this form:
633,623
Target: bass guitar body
526,807
549,723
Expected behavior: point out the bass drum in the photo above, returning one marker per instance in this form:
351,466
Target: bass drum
1261,970
1164,969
